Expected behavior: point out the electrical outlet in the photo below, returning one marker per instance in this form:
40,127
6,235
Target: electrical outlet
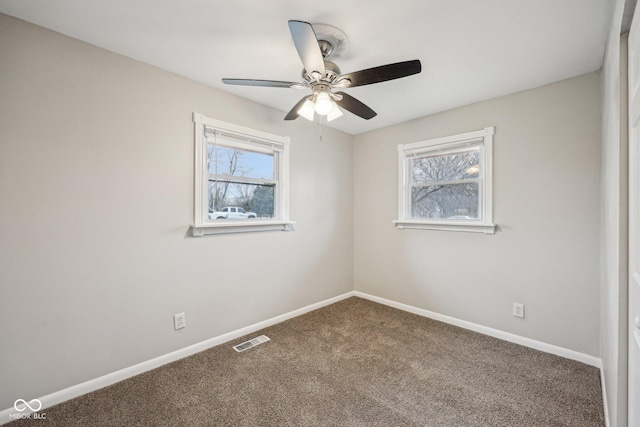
518,309
179,321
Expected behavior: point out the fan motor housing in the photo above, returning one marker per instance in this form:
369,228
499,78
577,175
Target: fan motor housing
332,71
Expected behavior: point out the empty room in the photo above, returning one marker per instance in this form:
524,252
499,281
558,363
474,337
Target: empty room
252,213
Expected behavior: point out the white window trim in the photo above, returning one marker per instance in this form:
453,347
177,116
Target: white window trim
201,225
406,150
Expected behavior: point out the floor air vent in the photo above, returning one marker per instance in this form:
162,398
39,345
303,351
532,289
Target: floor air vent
251,343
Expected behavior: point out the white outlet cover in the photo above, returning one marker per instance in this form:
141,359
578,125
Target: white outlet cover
518,310
179,321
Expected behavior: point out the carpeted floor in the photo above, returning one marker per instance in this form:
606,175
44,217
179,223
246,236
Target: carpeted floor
353,363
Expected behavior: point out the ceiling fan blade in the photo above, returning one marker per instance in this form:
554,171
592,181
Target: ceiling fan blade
307,46
293,114
351,104
263,83
382,73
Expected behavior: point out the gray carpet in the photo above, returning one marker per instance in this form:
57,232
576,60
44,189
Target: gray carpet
353,363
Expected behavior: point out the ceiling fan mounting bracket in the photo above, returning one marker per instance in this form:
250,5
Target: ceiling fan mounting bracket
333,41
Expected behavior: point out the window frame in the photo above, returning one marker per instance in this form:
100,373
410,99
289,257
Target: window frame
449,144
201,223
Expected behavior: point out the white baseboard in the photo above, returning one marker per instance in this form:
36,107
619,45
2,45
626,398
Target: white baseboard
506,336
114,377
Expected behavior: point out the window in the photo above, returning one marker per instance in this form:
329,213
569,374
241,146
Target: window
241,179
445,183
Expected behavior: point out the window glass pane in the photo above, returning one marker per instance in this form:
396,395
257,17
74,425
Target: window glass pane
448,167
251,200
235,162
452,201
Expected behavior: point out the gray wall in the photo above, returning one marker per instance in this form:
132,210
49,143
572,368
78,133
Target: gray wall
546,203
96,195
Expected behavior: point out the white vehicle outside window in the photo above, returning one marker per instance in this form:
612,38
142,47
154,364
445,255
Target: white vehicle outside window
232,213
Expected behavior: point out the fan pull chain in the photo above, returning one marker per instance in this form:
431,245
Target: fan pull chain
320,128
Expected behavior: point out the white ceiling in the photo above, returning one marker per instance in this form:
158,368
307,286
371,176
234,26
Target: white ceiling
471,50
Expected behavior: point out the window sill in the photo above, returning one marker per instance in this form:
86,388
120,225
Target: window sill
241,227
470,227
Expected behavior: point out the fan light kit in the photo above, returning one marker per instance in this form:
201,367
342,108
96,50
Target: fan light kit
324,78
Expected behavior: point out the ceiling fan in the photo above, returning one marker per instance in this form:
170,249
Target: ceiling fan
324,78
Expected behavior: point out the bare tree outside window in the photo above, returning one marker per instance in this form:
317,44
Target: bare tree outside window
226,162
445,186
